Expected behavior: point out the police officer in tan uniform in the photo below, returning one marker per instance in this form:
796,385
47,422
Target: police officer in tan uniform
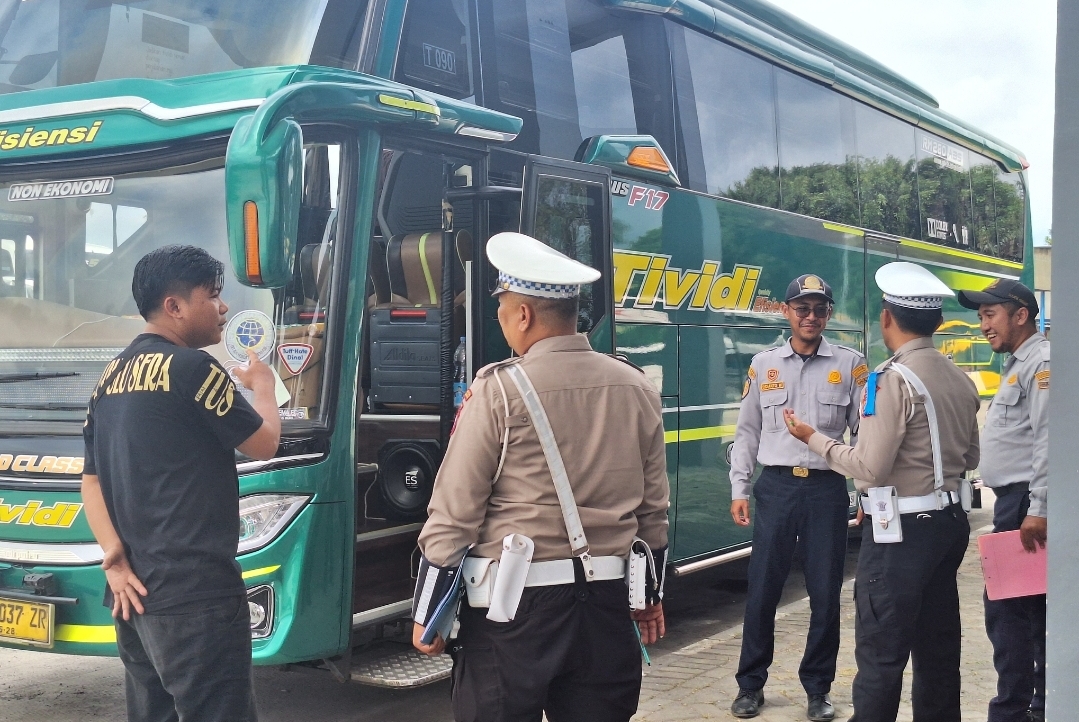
798,498
570,649
917,439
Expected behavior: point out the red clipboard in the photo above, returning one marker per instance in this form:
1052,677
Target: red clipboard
1009,569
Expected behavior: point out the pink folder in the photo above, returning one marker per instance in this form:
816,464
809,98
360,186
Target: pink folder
1009,569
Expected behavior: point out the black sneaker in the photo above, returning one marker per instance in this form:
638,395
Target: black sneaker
748,703
820,708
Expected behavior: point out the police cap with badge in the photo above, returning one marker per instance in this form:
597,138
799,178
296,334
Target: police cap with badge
808,285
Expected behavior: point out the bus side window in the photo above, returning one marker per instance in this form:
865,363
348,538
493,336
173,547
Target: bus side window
572,69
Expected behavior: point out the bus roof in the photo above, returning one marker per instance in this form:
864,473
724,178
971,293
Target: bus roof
765,30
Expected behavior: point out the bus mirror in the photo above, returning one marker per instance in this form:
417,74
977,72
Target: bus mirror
263,186
633,156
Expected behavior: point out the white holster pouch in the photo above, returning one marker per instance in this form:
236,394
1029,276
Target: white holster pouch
509,583
966,494
640,561
884,503
479,574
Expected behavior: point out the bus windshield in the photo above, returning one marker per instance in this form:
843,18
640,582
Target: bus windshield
69,245
49,43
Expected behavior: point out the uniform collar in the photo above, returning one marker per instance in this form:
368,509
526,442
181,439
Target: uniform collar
914,345
825,349
1027,346
576,342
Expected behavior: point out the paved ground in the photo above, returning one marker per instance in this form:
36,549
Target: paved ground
696,681
692,676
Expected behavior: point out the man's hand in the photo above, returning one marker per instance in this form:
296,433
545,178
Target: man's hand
1033,530
797,428
255,373
650,621
740,512
126,588
433,649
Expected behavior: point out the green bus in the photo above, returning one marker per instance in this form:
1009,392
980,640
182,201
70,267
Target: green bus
350,158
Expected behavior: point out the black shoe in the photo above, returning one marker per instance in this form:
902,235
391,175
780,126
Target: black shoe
1036,715
748,703
820,708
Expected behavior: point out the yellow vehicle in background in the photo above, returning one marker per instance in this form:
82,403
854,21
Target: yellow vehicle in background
972,353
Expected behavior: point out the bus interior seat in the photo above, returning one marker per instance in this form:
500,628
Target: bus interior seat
405,332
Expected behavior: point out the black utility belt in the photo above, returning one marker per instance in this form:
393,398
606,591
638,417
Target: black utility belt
802,472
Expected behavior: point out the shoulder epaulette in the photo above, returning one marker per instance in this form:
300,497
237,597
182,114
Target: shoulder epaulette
624,359
489,368
854,351
1044,350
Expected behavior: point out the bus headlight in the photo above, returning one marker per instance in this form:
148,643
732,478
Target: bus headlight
263,516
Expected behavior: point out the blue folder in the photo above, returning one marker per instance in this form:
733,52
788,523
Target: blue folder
441,621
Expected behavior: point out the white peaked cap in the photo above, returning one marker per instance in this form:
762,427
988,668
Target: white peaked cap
533,268
910,285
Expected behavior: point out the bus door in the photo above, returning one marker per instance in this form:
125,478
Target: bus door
567,206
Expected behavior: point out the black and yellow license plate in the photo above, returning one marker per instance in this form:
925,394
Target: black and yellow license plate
27,622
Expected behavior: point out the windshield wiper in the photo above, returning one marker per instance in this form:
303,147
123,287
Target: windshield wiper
49,406
36,376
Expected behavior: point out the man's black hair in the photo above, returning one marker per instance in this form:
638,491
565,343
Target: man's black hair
1012,308
173,270
919,321
563,309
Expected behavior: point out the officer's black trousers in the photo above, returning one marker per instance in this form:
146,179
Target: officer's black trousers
1016,627
907,606
574,658
815,511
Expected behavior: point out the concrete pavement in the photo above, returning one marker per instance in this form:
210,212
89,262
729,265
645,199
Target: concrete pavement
696,682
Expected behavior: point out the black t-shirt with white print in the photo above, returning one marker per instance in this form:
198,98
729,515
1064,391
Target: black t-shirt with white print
160,433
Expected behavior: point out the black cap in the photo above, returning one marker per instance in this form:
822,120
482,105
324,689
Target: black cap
808,285
1001,291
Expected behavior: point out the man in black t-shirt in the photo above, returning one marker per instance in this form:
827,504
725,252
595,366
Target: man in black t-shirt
162,496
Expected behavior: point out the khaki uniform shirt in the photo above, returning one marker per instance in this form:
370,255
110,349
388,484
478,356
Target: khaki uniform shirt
607,420
893,451
1016,433
823,391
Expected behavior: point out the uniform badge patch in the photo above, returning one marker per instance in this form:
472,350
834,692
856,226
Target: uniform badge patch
745,389
752,373
773,374
1042,377
834,377
1012,379
772,386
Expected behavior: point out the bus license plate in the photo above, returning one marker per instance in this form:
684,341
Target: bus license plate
26,622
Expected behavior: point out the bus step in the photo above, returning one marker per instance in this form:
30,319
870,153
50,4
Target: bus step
407,668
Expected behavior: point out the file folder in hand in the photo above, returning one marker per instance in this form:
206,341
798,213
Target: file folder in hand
1009,569
441,622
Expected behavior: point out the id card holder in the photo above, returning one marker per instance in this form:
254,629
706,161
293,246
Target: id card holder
636,578
884,513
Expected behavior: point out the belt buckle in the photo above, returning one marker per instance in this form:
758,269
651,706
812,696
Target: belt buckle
800,471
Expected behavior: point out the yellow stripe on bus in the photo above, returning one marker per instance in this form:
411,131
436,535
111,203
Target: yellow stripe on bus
261,571
86,634
705,432
840,228
923,246
405,104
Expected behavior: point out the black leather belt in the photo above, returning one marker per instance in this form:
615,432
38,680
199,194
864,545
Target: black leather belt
801,471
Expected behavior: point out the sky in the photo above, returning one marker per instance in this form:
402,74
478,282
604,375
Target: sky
988,62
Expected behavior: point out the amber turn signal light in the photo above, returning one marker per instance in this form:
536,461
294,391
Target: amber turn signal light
251,242
648,157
